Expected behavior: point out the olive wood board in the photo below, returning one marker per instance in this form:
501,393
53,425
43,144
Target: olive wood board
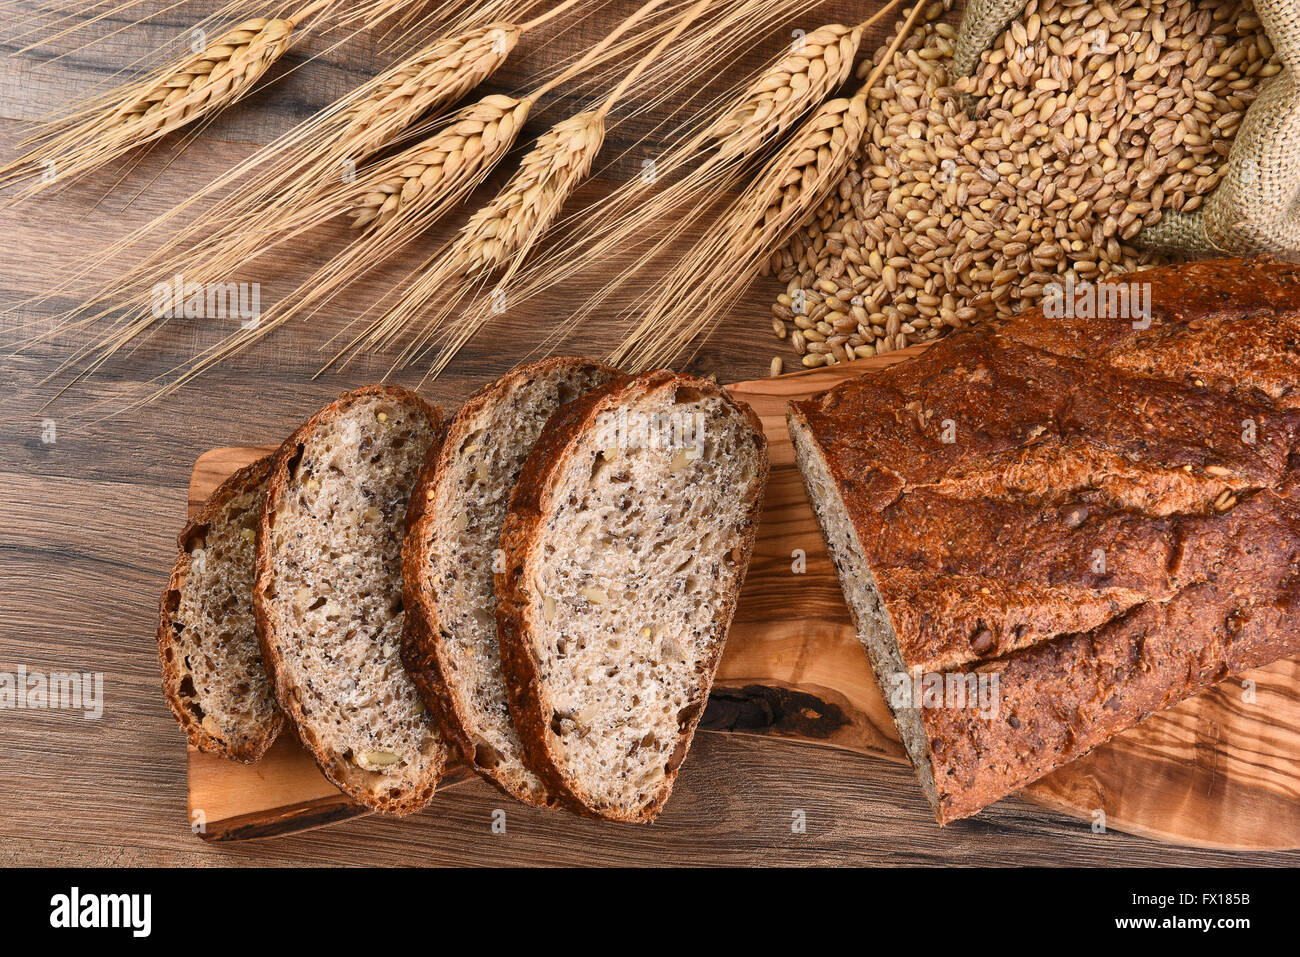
1212,772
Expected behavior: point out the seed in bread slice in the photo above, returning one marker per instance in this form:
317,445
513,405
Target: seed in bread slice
627,541
450,646
328,595
212,668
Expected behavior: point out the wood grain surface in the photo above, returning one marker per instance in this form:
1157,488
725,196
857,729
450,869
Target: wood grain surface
83,557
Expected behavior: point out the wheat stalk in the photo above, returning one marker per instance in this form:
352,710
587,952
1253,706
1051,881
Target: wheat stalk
395,200
714,273
504,229
198,86
502,233
295,172
721,264
401,196
760,113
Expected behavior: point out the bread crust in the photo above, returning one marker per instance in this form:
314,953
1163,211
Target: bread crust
245,480
424,653
1079,435
530,505
345,776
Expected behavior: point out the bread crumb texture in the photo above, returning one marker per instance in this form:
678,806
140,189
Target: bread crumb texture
337,587
632,585
493,438
211,659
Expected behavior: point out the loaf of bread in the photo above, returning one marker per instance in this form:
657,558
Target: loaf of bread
627,540
1095,517
213,675
328,595
450,645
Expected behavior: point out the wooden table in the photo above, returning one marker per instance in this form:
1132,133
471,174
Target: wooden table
87,526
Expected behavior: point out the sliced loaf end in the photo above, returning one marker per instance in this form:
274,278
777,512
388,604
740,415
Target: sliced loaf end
624,559
328,595
870,618
450,645
213,676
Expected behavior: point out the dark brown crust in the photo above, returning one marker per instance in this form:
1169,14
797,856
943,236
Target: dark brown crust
530,505
345,777
1204,591
245,480
423,653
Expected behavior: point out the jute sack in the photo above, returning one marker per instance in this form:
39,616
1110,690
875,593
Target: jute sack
1256,207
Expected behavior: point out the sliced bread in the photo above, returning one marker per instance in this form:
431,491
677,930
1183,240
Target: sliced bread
626,544
213,675
450,645
328,595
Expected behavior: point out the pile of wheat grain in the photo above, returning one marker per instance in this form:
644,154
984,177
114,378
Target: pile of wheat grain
1088,120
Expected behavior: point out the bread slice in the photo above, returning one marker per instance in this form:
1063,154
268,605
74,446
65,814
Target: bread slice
213,675
329,595
450,645
627,541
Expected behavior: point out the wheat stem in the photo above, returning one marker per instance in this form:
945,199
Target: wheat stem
293,172
627,219
502,233
713,274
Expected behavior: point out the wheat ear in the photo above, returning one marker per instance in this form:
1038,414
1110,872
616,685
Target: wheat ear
717,269
280,181
198,86
503,233
786,91
506,227
755,116
440,171
721,264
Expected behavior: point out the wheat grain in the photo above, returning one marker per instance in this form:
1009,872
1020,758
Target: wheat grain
1073,144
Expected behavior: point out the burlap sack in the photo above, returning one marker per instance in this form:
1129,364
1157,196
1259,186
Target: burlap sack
1256,208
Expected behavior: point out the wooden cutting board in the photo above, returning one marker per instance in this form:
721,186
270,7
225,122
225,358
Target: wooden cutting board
1212,772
